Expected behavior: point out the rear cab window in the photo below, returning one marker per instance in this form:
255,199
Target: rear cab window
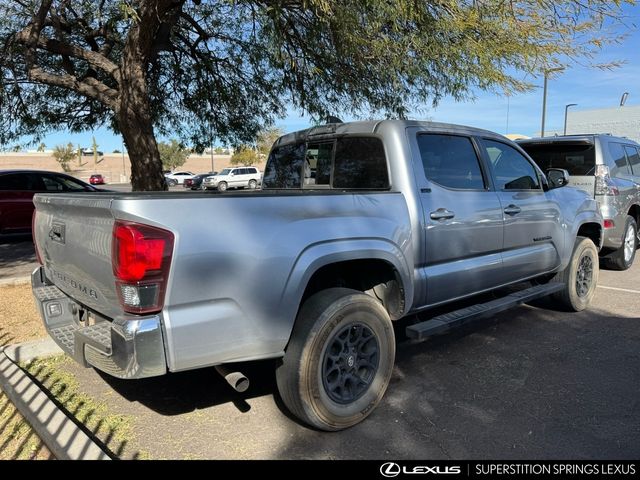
345,163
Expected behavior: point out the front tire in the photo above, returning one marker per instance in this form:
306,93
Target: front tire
623,258
339,360
222,187
580,278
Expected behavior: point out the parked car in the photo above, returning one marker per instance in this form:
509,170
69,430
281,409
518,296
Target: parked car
195,183
241,177
401,217
96,179
17,188
608,169
179,177
89,151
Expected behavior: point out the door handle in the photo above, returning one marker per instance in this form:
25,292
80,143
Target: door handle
512,210
442,214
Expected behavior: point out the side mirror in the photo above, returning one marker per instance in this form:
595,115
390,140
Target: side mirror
231,174
558,177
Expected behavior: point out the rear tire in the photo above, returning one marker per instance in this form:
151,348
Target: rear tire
339,360
580,277
253,184
623,258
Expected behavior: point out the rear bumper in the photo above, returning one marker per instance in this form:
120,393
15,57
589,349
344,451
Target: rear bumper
127,347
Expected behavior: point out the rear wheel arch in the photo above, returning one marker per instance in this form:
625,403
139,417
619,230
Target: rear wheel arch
376,277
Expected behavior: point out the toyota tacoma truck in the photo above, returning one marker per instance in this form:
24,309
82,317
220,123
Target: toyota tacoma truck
357,225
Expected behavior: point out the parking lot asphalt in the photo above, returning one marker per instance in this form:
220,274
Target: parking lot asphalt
17,256
531,383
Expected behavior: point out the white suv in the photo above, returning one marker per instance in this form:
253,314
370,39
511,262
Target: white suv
240,177
178,178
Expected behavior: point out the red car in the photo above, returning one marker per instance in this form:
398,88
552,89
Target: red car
96,179
17,188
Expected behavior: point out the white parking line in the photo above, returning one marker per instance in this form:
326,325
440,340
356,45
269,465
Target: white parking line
619,289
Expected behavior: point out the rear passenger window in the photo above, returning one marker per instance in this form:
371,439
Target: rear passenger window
618,162
13,181
450,161
30,182
360,163
634,159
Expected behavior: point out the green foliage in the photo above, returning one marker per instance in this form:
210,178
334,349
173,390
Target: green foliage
245,155
233,67
219,150
41,147
64,155
266,139
116,151
172,154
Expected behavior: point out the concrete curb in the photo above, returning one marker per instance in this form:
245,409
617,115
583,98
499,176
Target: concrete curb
27,351
58,432
14,281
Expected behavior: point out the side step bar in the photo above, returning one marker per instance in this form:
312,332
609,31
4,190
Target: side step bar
448,321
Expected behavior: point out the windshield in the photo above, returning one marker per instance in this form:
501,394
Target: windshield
225,171
576,158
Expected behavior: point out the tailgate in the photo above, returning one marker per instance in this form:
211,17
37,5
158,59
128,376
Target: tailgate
73,234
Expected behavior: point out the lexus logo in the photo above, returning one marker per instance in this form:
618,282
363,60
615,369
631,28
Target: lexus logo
390,469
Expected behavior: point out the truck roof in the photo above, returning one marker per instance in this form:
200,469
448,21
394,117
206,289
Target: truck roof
575,138
376,126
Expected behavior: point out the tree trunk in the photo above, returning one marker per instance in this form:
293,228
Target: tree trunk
134,115
146,166
136,125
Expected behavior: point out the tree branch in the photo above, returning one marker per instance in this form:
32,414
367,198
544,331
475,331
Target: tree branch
89,87
95,59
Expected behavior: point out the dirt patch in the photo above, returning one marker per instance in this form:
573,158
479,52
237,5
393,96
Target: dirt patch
19,319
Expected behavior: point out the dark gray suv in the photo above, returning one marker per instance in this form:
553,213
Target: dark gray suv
608,168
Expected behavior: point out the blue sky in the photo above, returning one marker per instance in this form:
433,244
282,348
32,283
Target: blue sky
588,87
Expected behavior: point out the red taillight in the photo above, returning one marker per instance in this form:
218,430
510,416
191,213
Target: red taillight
141,259
608,223
33,236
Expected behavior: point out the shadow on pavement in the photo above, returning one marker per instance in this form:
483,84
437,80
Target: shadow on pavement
17,255
178,393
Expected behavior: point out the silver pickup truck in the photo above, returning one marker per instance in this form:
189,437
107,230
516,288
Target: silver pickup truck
357,226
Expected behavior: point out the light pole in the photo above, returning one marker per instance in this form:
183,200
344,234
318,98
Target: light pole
566,108
623,98
211,146
124,170
544,95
